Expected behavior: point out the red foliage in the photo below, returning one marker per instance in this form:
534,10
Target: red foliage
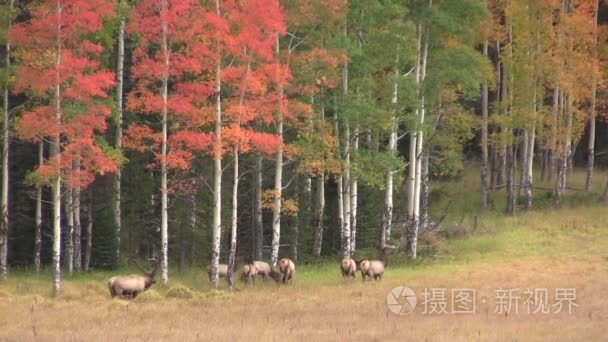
82,82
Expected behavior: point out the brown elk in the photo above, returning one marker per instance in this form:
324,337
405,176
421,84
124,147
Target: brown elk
375,268
254,269
287,269
134,284
348,267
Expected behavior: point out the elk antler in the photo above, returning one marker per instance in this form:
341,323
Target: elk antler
136,264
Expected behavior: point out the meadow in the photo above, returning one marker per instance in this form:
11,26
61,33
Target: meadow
544,249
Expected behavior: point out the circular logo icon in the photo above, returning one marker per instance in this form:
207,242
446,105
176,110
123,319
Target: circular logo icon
401,300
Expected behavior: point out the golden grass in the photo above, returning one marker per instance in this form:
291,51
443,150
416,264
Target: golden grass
550,249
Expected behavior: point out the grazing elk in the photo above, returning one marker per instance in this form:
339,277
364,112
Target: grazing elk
133,284
348,267
375,268
254,269
287,269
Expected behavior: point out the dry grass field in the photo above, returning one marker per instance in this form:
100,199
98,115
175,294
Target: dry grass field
548,249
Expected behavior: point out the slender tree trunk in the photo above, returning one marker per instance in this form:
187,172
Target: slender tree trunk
278,184
318,238
118,141
387,218
77,225
217,162
530,153
55,153
346,247
562,159
412,219
164,220
193,221
424,194
553,141
523,157
296,232
259,234
340,177
592,113
484,138
318,241
233,231
88,251
38,232
69,239
5,167
354,193
510,153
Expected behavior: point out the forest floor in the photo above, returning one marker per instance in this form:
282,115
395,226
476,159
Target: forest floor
563,252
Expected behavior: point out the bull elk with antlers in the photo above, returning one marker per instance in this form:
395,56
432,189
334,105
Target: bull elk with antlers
134,284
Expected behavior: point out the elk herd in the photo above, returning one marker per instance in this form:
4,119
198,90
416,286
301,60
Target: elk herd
131,285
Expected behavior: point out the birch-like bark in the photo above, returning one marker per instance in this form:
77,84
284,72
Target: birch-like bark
278,184
354,193
69,239
318,239
424,194
387,218
340,177
259,225
551,168
411,204
164,220
217,166
55,153
346,247
76,212
418,157
530,153
38,232
484,137
118,141
592,113
5,157
235,210
89,242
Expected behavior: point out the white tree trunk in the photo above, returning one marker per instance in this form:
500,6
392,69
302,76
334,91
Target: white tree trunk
530,153
77,226
259,224
164,220
278,190
412,220
592,113
217,167
318,239
69,212
55,153
346,196
278,184
354,193
233,226
38,232
346,248
118,142
387,218
5,168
